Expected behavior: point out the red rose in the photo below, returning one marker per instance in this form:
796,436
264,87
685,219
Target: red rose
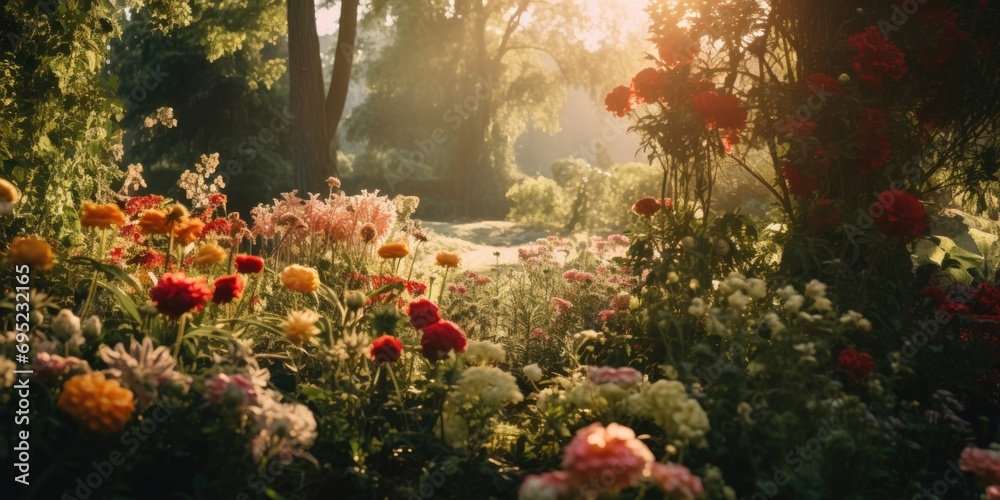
386,348
649,85
899,214
720,111
620,101
875,58
249,264
441,338
423,313
875,145
227,289
799,182
858,364
647,207
823,85
176,294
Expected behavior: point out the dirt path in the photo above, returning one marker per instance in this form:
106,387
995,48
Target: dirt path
477,242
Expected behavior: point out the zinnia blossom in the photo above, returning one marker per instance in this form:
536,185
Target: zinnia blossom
648,85
596,449
394,250
101,404
176,294
300,326
32,251
300,278
902,215
101,216
187,232
423,313
441,338
646,207
876,59
448,259
386,349
209,255
227,289
620,101
153,222
137,204
249,264
983,463
858,364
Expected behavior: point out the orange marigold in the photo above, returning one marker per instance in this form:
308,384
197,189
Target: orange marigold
448,259
300,278
101,404
101,216
153,222
187,232
394,250
32,251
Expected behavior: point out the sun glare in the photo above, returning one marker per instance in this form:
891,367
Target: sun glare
613,22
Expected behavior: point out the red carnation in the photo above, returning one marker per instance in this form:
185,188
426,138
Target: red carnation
440,339
823,85
799,182
647,207
858,364
620,101
875,58
227,289
899,214
423,313
176,294
649,85
386,348
720,111
249,264
875,145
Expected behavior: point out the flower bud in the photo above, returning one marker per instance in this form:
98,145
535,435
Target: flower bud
354,300
91,327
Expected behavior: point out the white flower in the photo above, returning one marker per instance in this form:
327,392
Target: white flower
587,335
91,327
698,307
493,387
144,369
738,301
533,372
856,319
756,288
774,323
65,324
822,304
815,289
484,352
787,292
666,402
794,303
672,278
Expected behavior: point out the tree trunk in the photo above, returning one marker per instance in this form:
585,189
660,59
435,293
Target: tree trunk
310,147
340,81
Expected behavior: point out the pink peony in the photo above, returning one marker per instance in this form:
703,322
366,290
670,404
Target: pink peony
610,457
622,377
983,463
676,481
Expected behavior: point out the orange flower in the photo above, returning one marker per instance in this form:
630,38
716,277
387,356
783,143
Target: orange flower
394,250
209,255
448,259
9,196
153,222
102,405
187,232
101,216
32,251
300,278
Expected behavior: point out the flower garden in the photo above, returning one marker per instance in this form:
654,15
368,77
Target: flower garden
843,342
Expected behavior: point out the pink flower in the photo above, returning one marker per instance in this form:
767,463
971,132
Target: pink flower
548,485
234,391
983,463
52,366
621,302
562,305
610,456
623,377
607,315
538,333
676,481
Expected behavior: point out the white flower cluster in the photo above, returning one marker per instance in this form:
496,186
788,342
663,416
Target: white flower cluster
144,369
478,394
666,402
815,295
196,185
483,353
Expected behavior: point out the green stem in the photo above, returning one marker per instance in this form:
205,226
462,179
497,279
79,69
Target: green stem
180,338
399,394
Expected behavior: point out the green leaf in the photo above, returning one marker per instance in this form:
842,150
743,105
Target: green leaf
126,302
111,272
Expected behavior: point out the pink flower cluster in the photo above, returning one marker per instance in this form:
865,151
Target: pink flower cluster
336,219
234,391
579,276
562,305
624,377
983,463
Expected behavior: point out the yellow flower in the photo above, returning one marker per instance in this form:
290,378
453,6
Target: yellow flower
9,196
448,259
32,251
101,216
209,255
187,232
300,326
300,278
102,405
395,250
153,222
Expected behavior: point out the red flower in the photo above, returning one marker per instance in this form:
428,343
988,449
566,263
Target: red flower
217,199
875,145
131,232
647,207
139,204
221,227
823,85
676,48
227,289
620,101
720,111
648,85
249,264
875,58
799,182
858,364
386,348
423,313
941,22
901,216
441,338
176,294
149,258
